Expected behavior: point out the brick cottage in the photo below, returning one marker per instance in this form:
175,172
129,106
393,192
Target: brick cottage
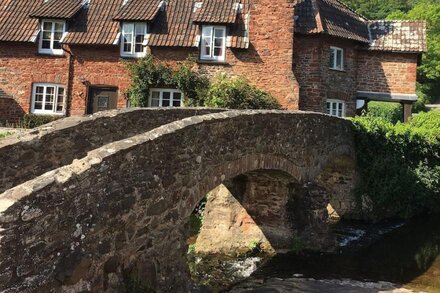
67,57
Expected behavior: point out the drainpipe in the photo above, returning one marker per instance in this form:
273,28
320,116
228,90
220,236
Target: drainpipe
69,80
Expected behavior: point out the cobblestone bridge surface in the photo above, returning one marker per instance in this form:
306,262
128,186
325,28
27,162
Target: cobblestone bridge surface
118,207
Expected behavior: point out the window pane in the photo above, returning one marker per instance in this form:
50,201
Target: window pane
127,47
155,97
328,108
166,99
218,33
339,59
60,100
218,52
177,97
218,42
140,29
139,48
334,109
59,26
332,59
38,104
47,35
50,95
57,36
139,39
128,28
340,109
56,45
47,26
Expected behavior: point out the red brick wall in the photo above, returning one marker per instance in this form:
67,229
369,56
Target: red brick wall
20,66
97,66
387,72
268,61
317,81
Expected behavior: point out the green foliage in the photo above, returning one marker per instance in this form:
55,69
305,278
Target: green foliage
149,73
191,248
255,247
391,112
378,9
399,164
32,121
4,134
428,120
237,93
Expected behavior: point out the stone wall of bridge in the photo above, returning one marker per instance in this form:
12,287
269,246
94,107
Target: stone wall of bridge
121,210
58,143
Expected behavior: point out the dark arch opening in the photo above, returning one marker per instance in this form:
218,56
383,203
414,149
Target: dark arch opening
249,218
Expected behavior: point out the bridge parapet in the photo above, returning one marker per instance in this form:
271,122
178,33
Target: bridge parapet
58,143
121,210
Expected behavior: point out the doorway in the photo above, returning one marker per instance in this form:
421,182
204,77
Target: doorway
102,98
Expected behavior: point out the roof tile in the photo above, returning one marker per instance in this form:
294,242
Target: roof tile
15,23
64,9
216,11
399,36
139,10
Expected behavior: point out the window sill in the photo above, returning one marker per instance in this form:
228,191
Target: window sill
131,57
213,62
337,70
51,55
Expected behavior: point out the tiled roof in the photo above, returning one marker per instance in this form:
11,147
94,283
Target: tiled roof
174,27
334,18
64,9
340,21
15,23
330,17
216,11
400,36
139,10
95,25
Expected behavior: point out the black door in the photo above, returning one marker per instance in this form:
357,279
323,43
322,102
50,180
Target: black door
101,99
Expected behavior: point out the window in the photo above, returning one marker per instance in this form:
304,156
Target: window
48,99
165,98
52,32
337,58
213,45
133,36
336,108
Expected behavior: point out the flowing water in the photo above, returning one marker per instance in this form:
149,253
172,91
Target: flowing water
371,258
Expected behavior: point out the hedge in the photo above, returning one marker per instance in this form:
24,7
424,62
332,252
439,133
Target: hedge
399,164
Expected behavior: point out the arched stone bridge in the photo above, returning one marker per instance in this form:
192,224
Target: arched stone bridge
87,202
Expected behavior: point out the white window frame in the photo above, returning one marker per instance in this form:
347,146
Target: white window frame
132,53
334,104
334,51
211,35
51,50
55,100
161,91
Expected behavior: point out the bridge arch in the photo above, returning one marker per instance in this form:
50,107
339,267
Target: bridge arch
123,207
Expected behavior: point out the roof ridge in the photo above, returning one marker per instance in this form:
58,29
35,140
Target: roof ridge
397,20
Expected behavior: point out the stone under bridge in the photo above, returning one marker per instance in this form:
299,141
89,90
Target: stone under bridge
87,202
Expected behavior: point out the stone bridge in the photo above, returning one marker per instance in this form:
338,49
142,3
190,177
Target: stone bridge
87,202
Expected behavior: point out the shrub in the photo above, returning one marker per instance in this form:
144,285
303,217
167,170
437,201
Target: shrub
237,93
427,120
148,73
32,120
391,112
399,166
4,134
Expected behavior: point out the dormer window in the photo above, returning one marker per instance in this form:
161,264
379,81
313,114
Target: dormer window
132,39
52,32
213,44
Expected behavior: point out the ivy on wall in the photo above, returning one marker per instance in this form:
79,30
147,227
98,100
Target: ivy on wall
198,90
149,73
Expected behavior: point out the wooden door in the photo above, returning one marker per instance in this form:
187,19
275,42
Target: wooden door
102,99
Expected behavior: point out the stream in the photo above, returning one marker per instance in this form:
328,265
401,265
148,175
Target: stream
394,256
